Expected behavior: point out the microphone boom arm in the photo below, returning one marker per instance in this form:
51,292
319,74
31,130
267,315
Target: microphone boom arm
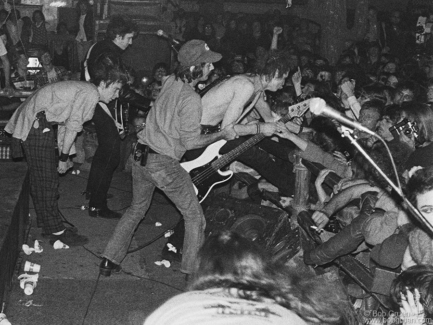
346,132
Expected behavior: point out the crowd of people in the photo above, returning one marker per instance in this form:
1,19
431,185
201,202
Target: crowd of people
236,77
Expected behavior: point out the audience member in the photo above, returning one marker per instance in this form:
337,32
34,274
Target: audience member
84,37
235,283
39,35
412,293
49,72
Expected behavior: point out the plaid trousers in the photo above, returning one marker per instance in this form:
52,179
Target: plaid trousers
39,149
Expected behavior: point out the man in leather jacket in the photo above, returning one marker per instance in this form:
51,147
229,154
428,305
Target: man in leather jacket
120,33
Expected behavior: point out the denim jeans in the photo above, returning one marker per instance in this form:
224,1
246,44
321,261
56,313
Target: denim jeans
165,173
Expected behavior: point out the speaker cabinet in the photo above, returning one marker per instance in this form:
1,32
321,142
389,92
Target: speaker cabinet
269,227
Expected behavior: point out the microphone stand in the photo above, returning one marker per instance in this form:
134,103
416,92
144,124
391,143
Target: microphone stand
347,132
173,47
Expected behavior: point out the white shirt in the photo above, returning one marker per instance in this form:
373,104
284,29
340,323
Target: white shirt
219,307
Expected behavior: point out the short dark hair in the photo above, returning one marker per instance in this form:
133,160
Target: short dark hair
393,111
375,104
38,12
229,260
276,65
42,51
108,68
185,74
120,26
420,183
159,65
373,92
416,277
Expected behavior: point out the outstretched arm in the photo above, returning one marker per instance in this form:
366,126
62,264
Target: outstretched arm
277,31
343,198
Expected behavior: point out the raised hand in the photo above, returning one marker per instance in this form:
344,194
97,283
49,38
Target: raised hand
277,30
340,157
348,87
411,310
297,77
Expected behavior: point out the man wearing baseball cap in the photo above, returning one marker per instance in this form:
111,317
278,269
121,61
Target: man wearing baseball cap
172,128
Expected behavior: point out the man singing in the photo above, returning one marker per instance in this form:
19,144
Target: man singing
172,127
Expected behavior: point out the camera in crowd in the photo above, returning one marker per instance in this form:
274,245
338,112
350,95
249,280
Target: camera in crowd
406,127
422,28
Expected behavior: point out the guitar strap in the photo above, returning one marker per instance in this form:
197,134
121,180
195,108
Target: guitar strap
220,80
212,85
250,107
106,110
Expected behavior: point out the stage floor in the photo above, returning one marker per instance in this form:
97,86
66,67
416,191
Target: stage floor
68,277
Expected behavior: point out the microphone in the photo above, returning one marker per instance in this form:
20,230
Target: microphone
318,107
163,34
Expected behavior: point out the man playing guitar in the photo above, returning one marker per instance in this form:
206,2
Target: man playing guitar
225,104
172,127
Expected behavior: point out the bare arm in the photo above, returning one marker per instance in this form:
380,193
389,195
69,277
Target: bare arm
343,198
298,141
296,80
277,31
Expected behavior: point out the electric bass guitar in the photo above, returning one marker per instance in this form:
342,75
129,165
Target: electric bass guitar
205,171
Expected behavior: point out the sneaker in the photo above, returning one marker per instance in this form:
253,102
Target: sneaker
73,229
70,238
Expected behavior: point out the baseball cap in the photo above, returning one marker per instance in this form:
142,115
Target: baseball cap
195,52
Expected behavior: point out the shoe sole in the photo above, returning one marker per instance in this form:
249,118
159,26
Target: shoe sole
107,272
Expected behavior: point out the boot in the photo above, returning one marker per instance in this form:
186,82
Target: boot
343,243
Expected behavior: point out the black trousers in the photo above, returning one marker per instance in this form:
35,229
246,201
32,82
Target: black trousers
105,160
278,172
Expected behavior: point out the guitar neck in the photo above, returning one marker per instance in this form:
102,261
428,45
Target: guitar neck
294,110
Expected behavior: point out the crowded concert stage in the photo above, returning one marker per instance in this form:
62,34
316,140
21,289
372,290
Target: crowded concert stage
164,162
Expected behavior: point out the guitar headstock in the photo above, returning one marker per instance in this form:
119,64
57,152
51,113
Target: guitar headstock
299,109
